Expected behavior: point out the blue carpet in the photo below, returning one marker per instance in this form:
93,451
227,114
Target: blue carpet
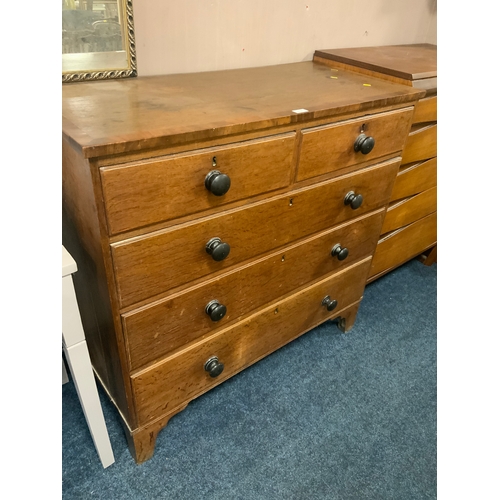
329,416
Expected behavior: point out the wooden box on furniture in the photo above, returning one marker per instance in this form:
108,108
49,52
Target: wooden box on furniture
409,228
216,217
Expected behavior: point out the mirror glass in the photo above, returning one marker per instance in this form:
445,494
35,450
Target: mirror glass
97,40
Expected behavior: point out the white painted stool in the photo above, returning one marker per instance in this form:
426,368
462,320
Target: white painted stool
77,355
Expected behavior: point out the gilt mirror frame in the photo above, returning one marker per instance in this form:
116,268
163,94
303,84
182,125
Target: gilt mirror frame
103,65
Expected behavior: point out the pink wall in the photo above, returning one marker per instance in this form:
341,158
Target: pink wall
204,35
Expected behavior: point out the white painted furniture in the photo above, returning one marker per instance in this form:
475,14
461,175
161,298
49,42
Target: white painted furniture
77,355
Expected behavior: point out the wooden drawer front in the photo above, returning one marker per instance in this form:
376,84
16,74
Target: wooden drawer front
149,265
421,144
409,210
166,325
404,244
182,377
144,193
329,148
425,110
415,179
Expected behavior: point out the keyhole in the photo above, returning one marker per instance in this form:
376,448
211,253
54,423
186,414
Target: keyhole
291,202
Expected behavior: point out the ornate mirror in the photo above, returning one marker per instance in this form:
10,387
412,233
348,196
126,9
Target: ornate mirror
97,40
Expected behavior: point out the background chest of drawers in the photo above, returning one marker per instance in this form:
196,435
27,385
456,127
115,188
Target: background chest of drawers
410,227
215,217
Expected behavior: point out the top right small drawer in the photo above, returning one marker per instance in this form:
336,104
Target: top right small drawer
329,148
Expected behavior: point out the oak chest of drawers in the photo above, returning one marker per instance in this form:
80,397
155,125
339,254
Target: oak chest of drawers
410,227
217,216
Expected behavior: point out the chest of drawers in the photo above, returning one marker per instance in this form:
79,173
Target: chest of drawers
410,227
217,216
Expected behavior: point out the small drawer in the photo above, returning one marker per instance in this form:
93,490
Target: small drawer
409,210
403,244
183,376
146,266
415,179
329,148
425,110
157,329
148,192
421,144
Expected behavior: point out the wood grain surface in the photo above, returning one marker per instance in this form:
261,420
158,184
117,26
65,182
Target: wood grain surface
331,147
143,193
182,377
403,244
421,144
415,178
116,116
163,326
409,210
425,110
150,265
410,61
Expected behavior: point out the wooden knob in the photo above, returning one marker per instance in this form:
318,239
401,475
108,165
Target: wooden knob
353,199
364,144
214,367
329,303
217,183
217,249
339,252
215,310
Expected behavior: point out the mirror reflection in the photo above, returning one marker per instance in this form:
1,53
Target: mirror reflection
90,26
97,38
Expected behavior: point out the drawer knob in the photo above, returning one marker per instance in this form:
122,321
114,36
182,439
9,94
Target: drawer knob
214,367
339,252
218,250
353,199
215,310
329,303
217,183
364,143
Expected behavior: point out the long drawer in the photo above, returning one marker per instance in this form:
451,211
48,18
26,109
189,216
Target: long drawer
147,192
159,328
149,265
409,210
182,377
401,245
328,148
421,144
415,179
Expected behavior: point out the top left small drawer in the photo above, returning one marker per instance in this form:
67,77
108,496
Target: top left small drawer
147,192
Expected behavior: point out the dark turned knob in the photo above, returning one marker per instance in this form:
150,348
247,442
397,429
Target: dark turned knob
329,303
217,183
215,310
353,199
218,250
364,143
339,252
214,367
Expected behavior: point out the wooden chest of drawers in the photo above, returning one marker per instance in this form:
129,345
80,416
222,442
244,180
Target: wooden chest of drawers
217,216
410,227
